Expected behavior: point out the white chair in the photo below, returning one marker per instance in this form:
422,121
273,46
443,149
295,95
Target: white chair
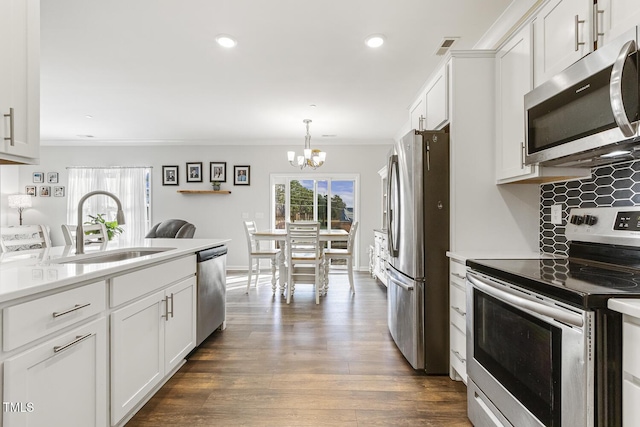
24,237
256,254
94,233
304,257
342,254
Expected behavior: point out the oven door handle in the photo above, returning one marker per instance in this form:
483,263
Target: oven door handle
517,301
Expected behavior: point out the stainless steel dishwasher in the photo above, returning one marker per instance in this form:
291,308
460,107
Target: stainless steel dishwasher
212,291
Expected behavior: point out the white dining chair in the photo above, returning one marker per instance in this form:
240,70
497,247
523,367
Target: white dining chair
24,237
256,254
341,254
94,233
304,257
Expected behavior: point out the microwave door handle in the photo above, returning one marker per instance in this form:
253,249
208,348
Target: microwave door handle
615,91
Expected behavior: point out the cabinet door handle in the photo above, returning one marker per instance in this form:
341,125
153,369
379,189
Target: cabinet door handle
596,30
70,310
577,23
171,305
166,308
458,356
11,137
457,310
522,155
79,338
459,276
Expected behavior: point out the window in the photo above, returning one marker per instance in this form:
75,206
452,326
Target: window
132,185
329,199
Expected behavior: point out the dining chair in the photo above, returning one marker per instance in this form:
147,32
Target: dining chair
94,233
24,237
341,254
304,257
256,254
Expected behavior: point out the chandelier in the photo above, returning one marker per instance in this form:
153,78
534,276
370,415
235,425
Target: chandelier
312,158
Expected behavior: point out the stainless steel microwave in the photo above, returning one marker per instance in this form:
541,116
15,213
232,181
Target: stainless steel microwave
588,114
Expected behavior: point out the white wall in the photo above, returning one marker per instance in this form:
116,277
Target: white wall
216,216
9,184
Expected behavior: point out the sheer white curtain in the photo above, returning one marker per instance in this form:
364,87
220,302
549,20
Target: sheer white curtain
127,183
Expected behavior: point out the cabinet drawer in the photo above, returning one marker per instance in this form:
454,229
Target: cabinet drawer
26,322
65,379
133,285
630,399
458,354
631,346
458,272
457,299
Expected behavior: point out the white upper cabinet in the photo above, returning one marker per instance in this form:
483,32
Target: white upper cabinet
562,35
513,74
19,81
513,81
436,99
417,113
615,17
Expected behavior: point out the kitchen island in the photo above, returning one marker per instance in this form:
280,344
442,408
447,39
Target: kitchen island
88,339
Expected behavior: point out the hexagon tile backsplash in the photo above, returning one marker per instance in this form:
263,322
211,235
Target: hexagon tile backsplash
611,185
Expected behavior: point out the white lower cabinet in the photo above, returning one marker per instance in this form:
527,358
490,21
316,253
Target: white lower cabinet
62,382
457,324
149,338
380,255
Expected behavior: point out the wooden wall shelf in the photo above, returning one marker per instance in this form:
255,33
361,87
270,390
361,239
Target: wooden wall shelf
204,192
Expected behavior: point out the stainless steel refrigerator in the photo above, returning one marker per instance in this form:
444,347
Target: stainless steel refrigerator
418,239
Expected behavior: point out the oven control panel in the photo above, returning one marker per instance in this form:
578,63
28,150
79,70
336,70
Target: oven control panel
627,221
616,226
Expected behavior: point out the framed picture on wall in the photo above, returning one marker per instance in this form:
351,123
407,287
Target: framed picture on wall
194,172
45,191
58,191
52,177
241,175
169,175
38,177
218,171
30,190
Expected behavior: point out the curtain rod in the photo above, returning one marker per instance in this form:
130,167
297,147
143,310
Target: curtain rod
109,167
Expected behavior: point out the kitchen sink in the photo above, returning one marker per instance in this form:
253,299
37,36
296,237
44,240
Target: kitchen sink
112,256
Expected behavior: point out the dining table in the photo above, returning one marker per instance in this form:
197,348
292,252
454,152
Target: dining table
280,235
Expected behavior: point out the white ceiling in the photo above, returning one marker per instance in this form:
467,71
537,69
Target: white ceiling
150,70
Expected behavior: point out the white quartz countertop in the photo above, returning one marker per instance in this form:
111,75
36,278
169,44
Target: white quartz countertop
25,273
630,307
465,255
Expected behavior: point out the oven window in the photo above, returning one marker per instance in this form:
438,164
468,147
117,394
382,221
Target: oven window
522,352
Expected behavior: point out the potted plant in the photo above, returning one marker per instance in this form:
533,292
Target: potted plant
215,185
112,226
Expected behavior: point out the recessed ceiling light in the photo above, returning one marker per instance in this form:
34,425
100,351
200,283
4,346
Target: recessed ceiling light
225,40
312,105
89,117
374,40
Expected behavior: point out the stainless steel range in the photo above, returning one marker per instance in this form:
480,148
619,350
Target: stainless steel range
543,349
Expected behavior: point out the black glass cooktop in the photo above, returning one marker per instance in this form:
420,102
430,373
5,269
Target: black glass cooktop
582,283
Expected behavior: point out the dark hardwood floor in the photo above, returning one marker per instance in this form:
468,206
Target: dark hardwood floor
303,364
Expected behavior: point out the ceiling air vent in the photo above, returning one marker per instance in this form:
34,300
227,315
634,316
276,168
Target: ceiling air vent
446,44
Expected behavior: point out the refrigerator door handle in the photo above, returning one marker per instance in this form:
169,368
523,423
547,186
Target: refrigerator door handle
393,207
399,283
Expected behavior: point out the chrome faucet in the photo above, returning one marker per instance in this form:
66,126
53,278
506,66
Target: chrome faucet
80,230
